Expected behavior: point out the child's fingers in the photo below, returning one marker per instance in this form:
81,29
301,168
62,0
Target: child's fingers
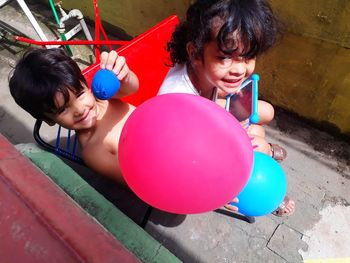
119,65
235,200
112,60
123,72
231,207
103,59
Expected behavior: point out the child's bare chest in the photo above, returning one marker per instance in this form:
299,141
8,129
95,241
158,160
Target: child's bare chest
109,127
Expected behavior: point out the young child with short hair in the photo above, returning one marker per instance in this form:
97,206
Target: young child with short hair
50,86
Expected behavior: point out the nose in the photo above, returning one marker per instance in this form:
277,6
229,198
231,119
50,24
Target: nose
78,109
238,68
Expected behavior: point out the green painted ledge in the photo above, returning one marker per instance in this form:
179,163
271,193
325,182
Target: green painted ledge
132,236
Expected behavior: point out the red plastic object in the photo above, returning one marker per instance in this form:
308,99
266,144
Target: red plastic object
146,55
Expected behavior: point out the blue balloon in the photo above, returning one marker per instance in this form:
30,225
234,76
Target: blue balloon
105,84
265,189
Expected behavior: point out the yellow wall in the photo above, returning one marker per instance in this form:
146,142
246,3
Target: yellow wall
134,16
307,73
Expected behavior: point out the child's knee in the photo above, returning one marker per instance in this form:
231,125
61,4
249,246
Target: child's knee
266,112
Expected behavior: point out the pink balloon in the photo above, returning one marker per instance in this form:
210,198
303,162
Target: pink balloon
184,154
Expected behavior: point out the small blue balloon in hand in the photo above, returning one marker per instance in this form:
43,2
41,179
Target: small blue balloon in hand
266,187
105,84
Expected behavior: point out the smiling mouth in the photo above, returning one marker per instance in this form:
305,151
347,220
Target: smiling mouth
84,117
232,83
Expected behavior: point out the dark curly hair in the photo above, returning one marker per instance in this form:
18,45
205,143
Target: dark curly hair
39,75
247,22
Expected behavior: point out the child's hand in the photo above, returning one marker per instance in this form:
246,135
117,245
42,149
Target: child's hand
129,81
112,61
231,207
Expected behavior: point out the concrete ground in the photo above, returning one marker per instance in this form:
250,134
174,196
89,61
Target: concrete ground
317,168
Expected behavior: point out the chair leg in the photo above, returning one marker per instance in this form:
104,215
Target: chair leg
146,217
248,219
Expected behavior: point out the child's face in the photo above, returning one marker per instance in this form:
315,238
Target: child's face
216,69
79,113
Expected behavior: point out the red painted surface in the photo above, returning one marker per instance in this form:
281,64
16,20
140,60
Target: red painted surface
146,55
40,223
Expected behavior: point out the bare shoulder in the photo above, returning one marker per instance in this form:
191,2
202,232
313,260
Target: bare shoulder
121,106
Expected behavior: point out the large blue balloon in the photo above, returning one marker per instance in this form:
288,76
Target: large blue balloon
266,187
105,84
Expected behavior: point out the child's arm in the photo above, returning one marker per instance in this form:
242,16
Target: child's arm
128,80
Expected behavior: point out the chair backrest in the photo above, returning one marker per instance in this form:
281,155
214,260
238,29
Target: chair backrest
146,55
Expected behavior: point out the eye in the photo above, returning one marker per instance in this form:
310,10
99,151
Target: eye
61,110
80,93
247,58
225,60
224,57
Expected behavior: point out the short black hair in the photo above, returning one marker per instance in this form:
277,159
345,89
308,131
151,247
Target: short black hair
253,21
39,75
